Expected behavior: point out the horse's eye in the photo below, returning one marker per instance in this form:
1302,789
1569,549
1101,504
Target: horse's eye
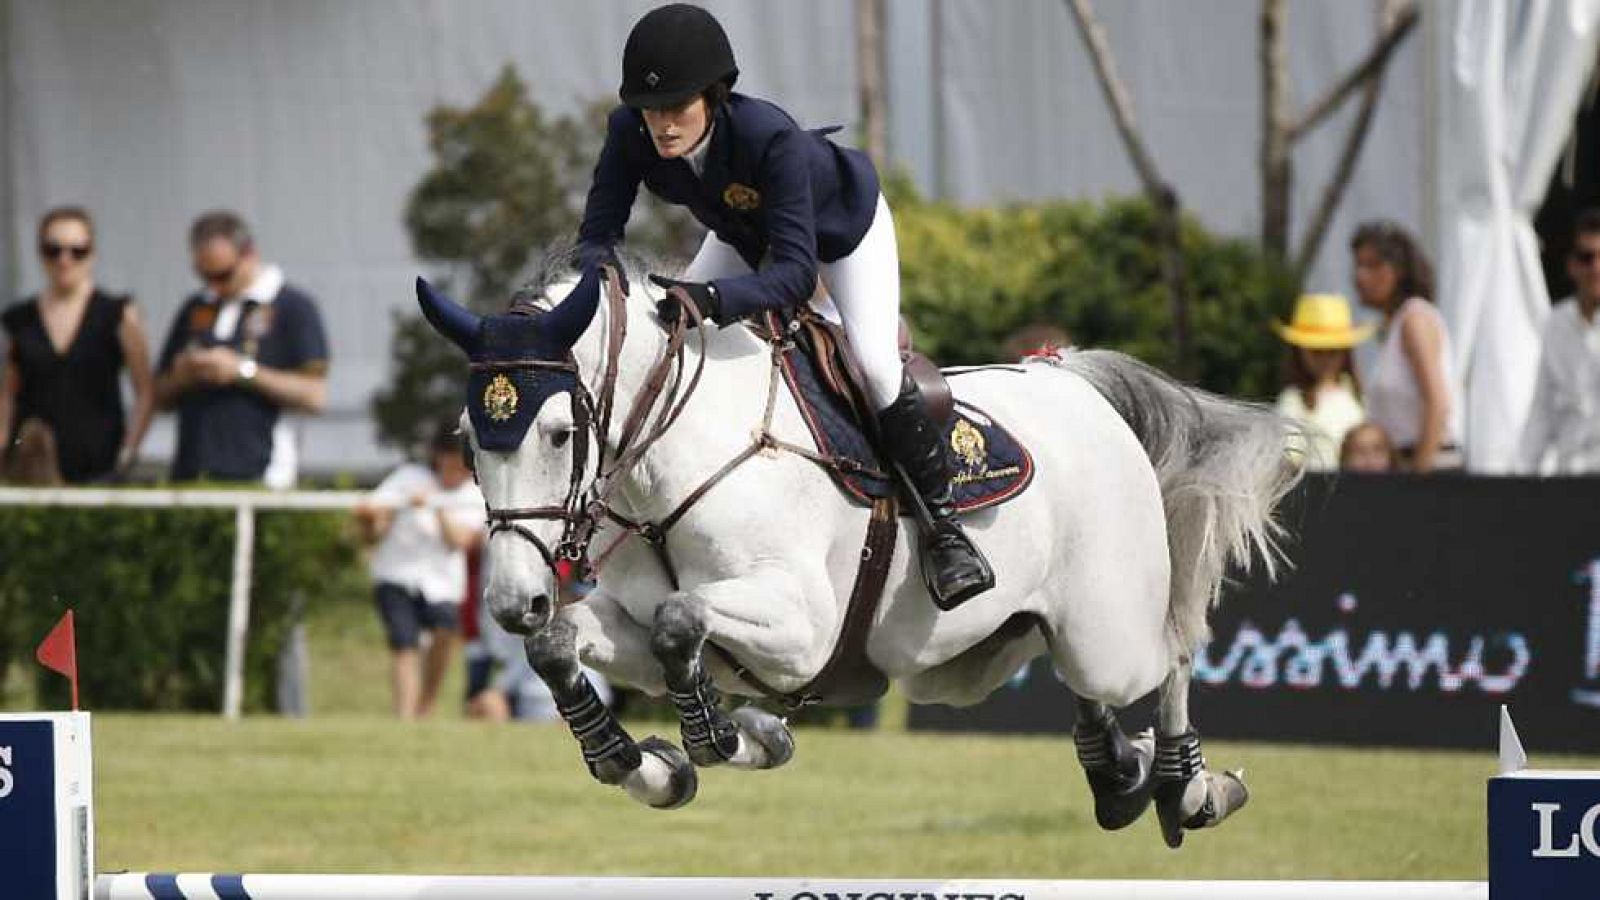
560,438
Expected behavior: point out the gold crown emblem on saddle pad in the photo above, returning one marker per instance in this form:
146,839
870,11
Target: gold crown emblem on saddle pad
968,443
500,398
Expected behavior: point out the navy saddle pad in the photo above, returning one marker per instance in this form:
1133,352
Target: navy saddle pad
989,465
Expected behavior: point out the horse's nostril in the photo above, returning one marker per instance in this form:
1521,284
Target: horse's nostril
538,612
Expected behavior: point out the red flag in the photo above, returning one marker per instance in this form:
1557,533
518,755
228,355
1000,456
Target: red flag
59,651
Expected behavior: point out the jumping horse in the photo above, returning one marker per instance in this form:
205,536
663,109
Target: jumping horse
671,464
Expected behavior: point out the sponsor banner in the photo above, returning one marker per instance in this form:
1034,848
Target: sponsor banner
28,807
1412,609
46,806
1544,835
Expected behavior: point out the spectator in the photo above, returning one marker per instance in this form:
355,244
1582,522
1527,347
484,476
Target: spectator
1367,449
424,519
68,347
1322,392
242,351
1413,392
501,685
1037,339
32,460
1563,431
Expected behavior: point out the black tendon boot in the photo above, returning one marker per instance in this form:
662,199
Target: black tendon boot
952,568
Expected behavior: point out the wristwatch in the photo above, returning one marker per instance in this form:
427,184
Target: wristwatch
247,369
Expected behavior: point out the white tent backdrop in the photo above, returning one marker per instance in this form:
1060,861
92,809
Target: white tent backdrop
1512,72
308,118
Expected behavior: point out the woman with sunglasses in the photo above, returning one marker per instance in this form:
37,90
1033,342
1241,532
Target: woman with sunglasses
67,349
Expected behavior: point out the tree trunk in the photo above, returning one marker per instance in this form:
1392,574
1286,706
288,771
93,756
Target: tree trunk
1397,18
869,63
1276,175
1162,196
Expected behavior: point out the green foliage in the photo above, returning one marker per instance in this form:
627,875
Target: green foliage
150,593
508,182
972,277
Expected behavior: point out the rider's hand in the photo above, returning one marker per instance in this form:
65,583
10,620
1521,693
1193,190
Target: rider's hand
611,261
702,294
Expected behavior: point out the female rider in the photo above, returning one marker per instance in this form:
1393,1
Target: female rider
784,206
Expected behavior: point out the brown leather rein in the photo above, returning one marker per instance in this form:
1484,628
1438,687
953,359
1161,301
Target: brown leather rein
585,508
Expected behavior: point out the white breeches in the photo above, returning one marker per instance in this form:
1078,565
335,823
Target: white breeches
865,292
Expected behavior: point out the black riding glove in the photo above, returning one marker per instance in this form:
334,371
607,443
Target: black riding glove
702,294
610,261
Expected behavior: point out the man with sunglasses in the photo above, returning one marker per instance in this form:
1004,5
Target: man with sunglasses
1563,431
243,350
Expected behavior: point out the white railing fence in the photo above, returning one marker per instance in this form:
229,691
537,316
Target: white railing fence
244,503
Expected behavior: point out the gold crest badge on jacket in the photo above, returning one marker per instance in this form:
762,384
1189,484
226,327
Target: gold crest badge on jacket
741,197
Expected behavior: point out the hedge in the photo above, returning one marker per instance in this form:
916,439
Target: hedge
972,276
149,589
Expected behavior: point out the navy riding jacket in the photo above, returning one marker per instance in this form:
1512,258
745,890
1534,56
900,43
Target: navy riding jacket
775,192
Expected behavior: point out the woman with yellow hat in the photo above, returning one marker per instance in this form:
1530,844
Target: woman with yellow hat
1321,392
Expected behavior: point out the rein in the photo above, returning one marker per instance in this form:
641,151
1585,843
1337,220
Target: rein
665,386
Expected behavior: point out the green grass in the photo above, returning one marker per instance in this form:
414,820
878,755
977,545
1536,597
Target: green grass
350,790
365,794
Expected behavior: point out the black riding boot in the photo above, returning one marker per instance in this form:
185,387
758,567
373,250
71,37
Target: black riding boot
952,568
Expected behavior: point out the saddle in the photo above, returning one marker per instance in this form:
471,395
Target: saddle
990,465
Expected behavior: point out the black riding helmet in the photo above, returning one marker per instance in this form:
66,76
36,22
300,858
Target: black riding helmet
673,53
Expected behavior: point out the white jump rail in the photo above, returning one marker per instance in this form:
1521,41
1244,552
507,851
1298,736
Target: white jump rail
143,886
244,503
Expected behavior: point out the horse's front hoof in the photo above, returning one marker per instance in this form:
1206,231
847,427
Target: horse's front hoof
767,743
1120,798
665,779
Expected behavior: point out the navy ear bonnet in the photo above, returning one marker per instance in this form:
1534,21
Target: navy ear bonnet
503,397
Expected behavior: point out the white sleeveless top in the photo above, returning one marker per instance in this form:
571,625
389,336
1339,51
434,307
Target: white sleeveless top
1394,399
1337,412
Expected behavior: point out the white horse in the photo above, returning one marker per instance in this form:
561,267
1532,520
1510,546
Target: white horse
1145,492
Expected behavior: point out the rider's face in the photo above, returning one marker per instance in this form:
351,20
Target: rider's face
677,130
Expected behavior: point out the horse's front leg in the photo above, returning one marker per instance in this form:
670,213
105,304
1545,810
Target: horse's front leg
653,771
757,618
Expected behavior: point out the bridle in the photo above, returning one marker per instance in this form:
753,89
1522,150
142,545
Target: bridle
586,505
665,386
567,548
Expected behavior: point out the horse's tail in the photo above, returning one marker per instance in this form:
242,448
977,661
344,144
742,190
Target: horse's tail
1222,469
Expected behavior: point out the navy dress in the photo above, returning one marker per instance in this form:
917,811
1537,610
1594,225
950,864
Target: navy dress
78,392
778,194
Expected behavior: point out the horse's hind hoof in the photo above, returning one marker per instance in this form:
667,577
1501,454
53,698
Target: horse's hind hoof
768,743
665,779
1121,798
1203,801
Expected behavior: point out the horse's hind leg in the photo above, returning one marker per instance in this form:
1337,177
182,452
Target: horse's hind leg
749,738
654,771
1187,795
1118,769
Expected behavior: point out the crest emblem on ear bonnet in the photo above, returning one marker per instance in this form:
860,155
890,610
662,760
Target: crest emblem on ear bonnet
500,398
504,394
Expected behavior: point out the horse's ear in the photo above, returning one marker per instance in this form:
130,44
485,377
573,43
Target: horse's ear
563,325
448,317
